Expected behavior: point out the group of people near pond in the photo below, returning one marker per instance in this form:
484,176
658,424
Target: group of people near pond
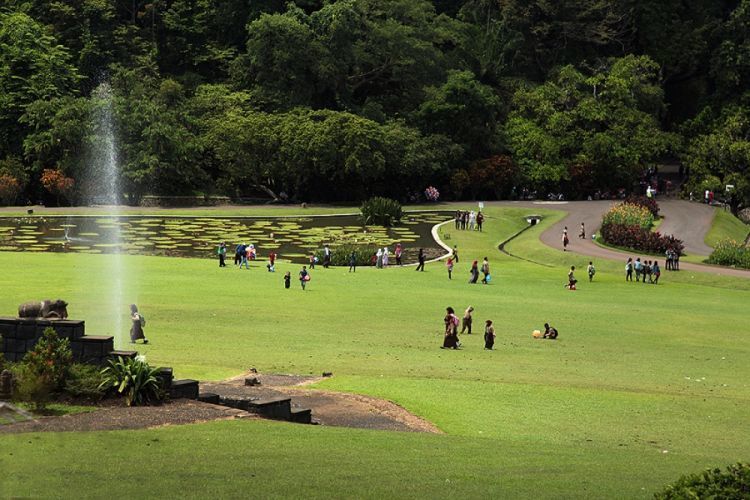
451,321
470,220
643,270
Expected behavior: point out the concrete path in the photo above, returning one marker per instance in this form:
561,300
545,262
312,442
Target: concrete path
687,221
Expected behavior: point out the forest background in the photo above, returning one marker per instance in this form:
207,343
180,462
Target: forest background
324,100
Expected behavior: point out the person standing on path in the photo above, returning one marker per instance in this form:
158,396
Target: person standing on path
582,232
222,251
489,335
304,277
565,239
385,256
379,258
397,252
467,320
137,324
629,269
420,259
485,271
449,266
458,219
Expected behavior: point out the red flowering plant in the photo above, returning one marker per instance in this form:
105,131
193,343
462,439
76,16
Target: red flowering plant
432,194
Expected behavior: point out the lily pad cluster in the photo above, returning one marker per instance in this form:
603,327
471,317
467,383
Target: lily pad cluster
291,238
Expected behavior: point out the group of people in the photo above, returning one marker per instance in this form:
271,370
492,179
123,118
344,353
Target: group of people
304,278
566,240
643,270
450,340
381,258
451,321
470,220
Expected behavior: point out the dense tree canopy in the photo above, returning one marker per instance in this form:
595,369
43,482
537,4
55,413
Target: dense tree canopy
347,99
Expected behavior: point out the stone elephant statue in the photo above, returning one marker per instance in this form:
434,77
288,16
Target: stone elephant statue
48,309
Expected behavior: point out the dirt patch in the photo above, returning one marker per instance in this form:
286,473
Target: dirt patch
110,418
336,409
328,408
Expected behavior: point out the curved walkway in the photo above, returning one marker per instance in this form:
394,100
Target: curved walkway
687,221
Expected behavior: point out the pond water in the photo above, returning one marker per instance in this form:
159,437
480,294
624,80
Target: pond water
293,239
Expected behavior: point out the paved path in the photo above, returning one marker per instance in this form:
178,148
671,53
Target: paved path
687,221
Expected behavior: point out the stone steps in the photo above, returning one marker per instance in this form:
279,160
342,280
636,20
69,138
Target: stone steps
186,388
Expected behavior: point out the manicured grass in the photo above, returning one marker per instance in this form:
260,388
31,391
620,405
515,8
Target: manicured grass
726,226
646,382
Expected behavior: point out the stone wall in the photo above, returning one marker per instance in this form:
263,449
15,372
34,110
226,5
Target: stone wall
19,335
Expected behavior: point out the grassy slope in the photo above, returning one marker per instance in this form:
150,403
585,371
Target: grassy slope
726,225
589,415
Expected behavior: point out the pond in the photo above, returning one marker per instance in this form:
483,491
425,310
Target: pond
292,238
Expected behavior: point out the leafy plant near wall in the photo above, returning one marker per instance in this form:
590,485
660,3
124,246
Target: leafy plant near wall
133,379
381,211
640,239
50,359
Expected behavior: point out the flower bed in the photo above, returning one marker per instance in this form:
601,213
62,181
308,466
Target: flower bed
730,253
637,238
629,214
644,201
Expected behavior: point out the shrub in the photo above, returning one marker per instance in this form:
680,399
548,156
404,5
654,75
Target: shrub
85,381
50,358
9,189
644,201
637,238
730,253
629,214
340,254
712,483
134,379
381,211
31,387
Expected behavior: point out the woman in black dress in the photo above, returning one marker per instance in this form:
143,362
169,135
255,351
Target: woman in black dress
136,328
451,329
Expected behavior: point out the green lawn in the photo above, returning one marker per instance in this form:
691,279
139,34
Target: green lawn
726,226
645,383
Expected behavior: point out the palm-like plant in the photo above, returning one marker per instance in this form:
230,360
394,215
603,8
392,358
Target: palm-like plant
134,379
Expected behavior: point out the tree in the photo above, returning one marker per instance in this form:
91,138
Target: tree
32,67
10,188
57,184
607,120
284,63
465,111
718,154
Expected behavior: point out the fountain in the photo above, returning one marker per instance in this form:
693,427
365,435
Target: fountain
102,187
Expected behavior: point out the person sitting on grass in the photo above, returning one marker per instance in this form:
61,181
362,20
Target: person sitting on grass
571,279
489,335
550,332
